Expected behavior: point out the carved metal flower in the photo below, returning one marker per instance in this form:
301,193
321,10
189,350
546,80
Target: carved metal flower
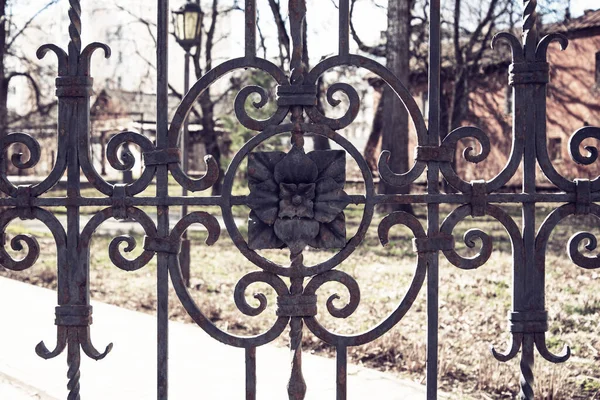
297,199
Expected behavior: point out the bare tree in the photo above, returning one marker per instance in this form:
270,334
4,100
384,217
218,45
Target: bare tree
394,135
467,30
203,59
383,50
209,124
391,120
283,36
10,34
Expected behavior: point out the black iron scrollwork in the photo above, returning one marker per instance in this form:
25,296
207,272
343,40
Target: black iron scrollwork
298,200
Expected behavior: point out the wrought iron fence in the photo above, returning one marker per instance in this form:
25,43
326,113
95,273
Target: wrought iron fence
297,199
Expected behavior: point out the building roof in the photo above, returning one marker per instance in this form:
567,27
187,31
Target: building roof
109,104
589,20
500,58
111,110
38,119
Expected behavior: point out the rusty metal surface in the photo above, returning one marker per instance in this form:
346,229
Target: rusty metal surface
297,199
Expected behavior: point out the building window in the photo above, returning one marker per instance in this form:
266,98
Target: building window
508,105
425,105
555,149
598,68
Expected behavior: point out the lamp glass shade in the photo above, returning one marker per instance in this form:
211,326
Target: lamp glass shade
179,26
191,26
188,24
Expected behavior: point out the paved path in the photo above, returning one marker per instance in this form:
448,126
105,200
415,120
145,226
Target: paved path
200,367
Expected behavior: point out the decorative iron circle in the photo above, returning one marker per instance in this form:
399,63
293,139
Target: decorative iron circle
235,233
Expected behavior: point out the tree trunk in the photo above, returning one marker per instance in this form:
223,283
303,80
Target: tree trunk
209,125
211,139
370,152
3,89
395,116
320,142
282,35
3,80
460,100
445,120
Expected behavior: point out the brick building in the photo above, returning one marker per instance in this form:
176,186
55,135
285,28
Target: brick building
573,101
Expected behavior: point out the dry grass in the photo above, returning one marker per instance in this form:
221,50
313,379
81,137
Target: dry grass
473,307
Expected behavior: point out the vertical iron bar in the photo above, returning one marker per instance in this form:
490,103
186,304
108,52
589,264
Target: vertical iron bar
532,293
250,373
162,191
344,46
77,276
434,94
184,256
78,123
250,28
433,210
297,12
296,384
341,372
186,126
64,110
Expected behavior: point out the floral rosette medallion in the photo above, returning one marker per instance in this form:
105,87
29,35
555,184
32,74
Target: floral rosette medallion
297,200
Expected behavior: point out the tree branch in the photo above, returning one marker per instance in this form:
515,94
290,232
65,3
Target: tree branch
34,85
29,22
378,51
282,34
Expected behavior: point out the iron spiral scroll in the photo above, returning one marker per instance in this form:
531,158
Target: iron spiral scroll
297,199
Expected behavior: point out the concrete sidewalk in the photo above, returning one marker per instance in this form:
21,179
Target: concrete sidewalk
200,367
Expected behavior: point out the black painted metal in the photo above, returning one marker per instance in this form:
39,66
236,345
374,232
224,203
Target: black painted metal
297,199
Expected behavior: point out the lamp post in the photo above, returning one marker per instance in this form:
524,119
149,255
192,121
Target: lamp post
188,32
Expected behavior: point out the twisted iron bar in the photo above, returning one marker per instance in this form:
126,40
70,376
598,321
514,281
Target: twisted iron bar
73,373
529,16
75,27
526,366
530,34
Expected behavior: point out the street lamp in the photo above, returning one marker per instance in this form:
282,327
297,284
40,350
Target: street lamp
188,32
188,25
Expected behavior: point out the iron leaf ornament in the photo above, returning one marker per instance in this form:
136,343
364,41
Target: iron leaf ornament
297,200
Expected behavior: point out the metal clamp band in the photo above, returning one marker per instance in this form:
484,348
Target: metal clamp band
478,198
297,95
69,315
25,202
528,321
119,203
162,245
529,73
74,86
583,202
434,153
297,306
438,242
162,157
